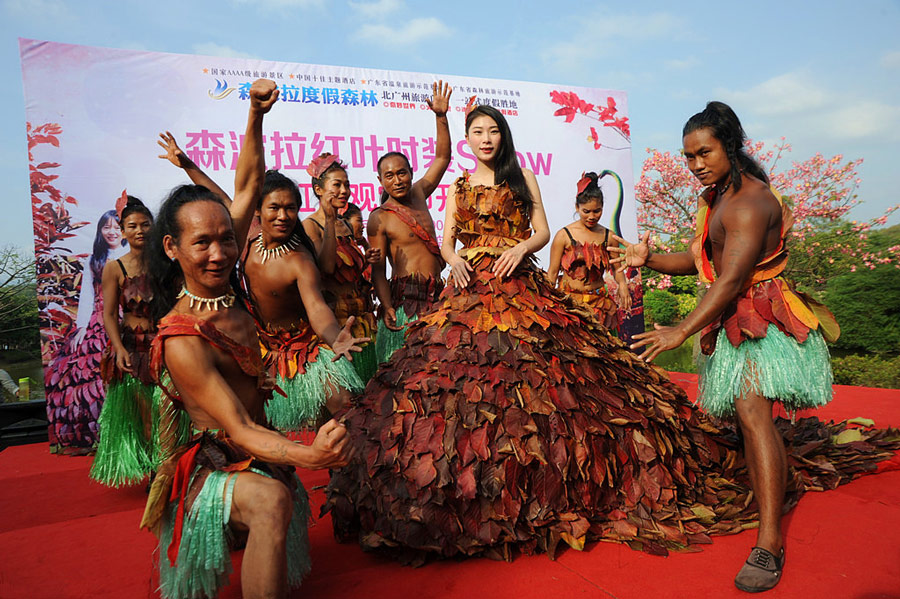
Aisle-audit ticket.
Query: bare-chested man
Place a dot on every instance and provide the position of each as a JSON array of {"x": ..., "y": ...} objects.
[
  {"x": 768, "y": 340},
  {"x": 295, "y": 323},
  {"x": 402, "y": 228},
  {"x": 235, "y": 477}
]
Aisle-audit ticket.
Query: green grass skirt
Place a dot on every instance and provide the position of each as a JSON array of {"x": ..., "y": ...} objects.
[
  {"x": 171, "y": 427},
  {"x": 124, "y": 451},
  {"x": 204, "y": 558},
  {"x": 307, "y": 392},
  {"x": 365, "y": 362},
  {"x": 388, "y": 341},
  {"x": 798, "y": 375}
]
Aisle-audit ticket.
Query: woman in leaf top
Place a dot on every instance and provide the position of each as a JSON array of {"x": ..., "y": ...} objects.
[
  {"x": 579, "y": 249},
  {"x": 340, "y": 258},
  {"x": 74, "y": 389},
  {"x": 511, "y": 420},
  {"x": 125, "y": 452}
]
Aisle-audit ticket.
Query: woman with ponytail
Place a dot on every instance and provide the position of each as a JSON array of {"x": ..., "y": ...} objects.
[
  {"x": 579, "y": 249},
  {"x": 126, "y": 423}
]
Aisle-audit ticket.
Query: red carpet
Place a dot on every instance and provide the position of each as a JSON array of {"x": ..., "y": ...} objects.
[{"x": 64, "y": 537}]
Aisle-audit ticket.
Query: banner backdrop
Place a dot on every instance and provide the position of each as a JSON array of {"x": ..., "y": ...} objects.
[{"x": 94, "y": 115}]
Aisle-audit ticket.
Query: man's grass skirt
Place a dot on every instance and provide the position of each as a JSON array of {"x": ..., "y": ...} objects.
[
  {"x": 777, "y": 367},
  {"x": 307, "y": 392}
]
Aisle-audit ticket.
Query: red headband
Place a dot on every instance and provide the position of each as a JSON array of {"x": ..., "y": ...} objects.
[
  {"x": 321, "y": 163},
  {"x": 120, "y": 204},
  {"x": 583, "y": 183}
]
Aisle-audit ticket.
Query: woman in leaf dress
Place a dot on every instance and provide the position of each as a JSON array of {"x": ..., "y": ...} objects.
[
  {"x": 512, "y": 419},
  {"x": 340, "y": 258},
  {"x": 125, "y": 452},
  {"x": 72, "y": 378},
  {"x": 579, "y": 249}
]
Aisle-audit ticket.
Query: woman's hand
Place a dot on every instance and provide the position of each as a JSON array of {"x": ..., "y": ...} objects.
[
  {"x": 624, "y": 298},
  {"x": 123, "y": 361},
  {"x": 459, "y": 271},
  {"x": 373, "y": 255},
  {"x": 173, "y": 154},
  {"x": 328, "y": 207},
  {"x": 509, "y": 260},
  {"x": 633, "y": 254},
  {"x": 390, "y": 319}
]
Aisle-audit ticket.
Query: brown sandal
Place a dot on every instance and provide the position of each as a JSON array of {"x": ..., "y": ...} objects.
[{"x": 761, "y": 572}]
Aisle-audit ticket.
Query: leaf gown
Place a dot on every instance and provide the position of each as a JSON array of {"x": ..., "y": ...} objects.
[{"x": 511, "y": 420}]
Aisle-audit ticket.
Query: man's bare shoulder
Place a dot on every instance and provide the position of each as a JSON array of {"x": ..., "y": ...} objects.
[
  {"x": 300, "y": 262},
  {"x": 754, "y": 195}
]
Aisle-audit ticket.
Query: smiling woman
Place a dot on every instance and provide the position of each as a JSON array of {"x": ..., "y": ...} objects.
[{"x": 127, "y": 421}]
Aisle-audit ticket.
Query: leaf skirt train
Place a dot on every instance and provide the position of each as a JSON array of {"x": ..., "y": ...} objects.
[{"x": 513, "y": 421}]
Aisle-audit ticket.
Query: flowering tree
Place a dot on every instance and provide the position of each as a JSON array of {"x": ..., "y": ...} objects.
[{"x": 820, "y": 192}]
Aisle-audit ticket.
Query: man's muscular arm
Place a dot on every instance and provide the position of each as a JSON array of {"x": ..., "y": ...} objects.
[
  {"x": 439, "y": 104},
  {"x": 321, "y": 318},
  {"x": 251, "y": 166},
  {"x": 191, "y": 364},
  {"x": 746, "y": 225},
  {"x": 378, "y": 239},
  {"x": 638, "y": 254}
]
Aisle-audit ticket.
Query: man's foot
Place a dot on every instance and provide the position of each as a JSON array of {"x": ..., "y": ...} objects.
[{"x": 761, "y": 572}]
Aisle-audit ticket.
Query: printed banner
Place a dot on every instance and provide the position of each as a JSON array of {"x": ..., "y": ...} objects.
[{"x": 94, "y": 116}]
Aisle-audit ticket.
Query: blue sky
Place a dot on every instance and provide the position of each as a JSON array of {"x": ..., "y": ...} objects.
[{"x": 828, "y": 78}]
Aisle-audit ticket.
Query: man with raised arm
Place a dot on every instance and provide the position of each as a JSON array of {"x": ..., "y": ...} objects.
[
  {"x": 765, "y": 339},
  {"x": 234, "y": 479},
  {"x": 305, "y": 348},
  {"x": 402, "y": 228}
]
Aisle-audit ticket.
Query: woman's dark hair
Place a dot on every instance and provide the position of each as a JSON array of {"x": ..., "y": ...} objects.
[
  {"x": 384, "y": 194},
  {"x": 506, "y": 163},
  {"x": 166, "y": 277},
  {"x": 134, "y": 206},
  {"x": 100, "y": 252},
  {"x": 721, "y": 120},
  {"x": 592, "y": 192},
  {"x": 318, "y": 181},
  {"x": 351, "y": 210},
  {"x": 275, "y": 181}
]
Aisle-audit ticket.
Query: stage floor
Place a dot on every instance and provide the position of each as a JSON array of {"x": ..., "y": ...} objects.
[{"x": 65, "y": 537}]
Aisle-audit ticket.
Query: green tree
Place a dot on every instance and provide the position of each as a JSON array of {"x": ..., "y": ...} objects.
[
  {"x": 660, "y": 307},
  {"x": 866, "y": 304},
  {"x": 18, "y": 304}
]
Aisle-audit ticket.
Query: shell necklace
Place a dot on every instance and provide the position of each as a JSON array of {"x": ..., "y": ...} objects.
[
  {"x": 288, "y": 246},
  {"x": 210, "y": 303}
]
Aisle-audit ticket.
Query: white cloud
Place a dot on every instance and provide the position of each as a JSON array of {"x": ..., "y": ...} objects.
[
  {"x": 793, "y": 103},
  {"x": 281, "y": 4},
  {"x": 868, "y": 118},
  {"x": 44, "y": 9},
  {"x": 595, "y": 35},
  {"x": 376, "y": 10},
  {"x": 682, "y": 64},
  {"x": 891, "y": 60},
  {"x": 414, "y": 31},
  {"x": 214, "y": 49},
  {"x": 785, "y": 94}
]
